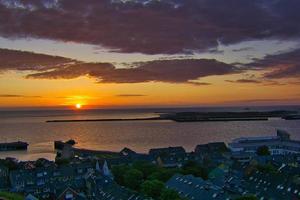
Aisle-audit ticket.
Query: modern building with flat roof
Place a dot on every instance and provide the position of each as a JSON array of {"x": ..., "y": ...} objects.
[{"x": 281, "y": 144}]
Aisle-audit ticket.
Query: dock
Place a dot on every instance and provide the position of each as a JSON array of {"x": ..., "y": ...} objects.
[{"x": 13, "y": 146}]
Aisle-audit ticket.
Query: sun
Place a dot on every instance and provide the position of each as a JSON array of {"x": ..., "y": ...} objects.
[{"x": 78, "y": 105}]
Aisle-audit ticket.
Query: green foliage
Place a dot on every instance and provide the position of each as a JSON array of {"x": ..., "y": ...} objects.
[
  {"x": 249, "y": 197},
  {"x": 152, "y": 188},
  {"x": 163, "y": 174},
  {"x": 263, "y": 151},
  {"x": 196, "y": 169},
  {"x": 60, "y": 161},
  {"x": 267, "y": 168},
  {"x": 146, "y": 178},
  {"x": 11, "y": 196},
  {"x": 133, "y": 178},
  {"x": 168, "y": 194},
  {"x": 107, "y": 156},
  {"x": 223, "y": 149},
  {"x": 11, "y": 165},
  {"x": 39, "y": 162},
  {"x": 145, "y": 167},
  {"x": 118, "y": 172}
]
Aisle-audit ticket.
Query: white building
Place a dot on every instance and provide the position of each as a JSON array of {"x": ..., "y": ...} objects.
[{"x": 281, "y": 144}]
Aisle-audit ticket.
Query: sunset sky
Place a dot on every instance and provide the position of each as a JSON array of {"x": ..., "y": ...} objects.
[{"x": 136, "y": 53}]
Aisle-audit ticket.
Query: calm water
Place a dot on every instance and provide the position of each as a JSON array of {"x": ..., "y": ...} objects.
[{"x": 30, "y": 126}]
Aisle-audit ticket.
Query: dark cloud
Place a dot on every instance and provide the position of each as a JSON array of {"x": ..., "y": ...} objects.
[
  {"x": 284, "y": 72},
  {"x": 283, "y": 65},
  {"x": 244, "y": 81},
  {"x": 171, "y": 71},
  {"x": 131, "y": 95},
  {"x": 21, "y": 60},
  {"x": 17, "y": 96},
  {"x": 151, "y": 27},
  {"x": 196, "y": 83},
  {"x": 243, "y": 49}
]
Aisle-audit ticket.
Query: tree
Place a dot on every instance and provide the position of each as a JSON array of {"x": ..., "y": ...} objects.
[
  {"x": 168, "y": 194},
  {"x": 196, "y": 169},
  {"x": 11, "y": 196},
  {"x": 61, "y": 161},
  {"x": 249, "y": 197},
  {"x": 152, "y": 188},
  {"x": 119, "y": 172},
  {"x": 10, "y": 164},
  {"x": 146, "y": 167},
  {"x": 133, "y": 179},
  {"x": 267, "y": 168},
  {"x": 163, "y": 174},
  {"x": 263, "y": 151}
]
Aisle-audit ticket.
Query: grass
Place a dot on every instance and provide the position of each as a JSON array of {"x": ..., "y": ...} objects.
[{"x": 11, "y": 196}]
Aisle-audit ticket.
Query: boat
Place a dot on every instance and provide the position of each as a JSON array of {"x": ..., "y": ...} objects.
[{"x": 13, "y": 146}]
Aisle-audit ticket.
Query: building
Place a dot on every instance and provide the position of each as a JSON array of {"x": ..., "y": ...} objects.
[
  {"x": 49, "y": 183},
  {"x": 194, "y": 188},
  {"x": 3, "y": 177},
  {"x": 281, "y": 144},
  {"x": 211, "y": 148},
  {"x": 168, "y": 151},
  {"x": 104, "y": 188},
  {"x": 269, "y": 186},
  {"x": 70, "y": 194}
]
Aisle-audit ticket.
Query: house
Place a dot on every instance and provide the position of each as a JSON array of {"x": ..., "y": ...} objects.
[
  {"x": 169, "y": 151},
  {"x": 211, "y": 148},
  {"x": 270, "y": 186},
  {"x": 45, "y": 183},
  {"x": 127, "y": 152},
  {"x": 102, "y": 188},
  {"x": 70, "y": 194},
  {"x": 170, "y": 162},
  {"x": 194, "y": 188},
  {"x": 30, "y": 197},
  {"x": 242, "y": 157},
  {"x": 3, "y": 177}
]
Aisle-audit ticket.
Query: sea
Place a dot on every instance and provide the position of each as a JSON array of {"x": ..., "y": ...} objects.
[{"x": 30, "y": 126}]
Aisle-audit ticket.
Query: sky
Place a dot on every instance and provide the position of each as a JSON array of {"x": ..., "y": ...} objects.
[{"x": 149, "y": 53}]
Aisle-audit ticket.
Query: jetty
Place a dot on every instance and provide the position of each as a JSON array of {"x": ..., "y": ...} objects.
[
  {"x": 105, "y": 120},
  {"x": 13, "y": 146},
  {"x": 203, "y": 117}
]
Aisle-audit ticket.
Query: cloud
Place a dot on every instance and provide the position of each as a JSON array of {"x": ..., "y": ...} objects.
[
  {"x": 284, "y": 72},
  {"x": 151, "y": 27},
  {"x": 131, "y": 95},
  {"x": 170, "y": 71},
  {"x": 283, "y": 65},
  {"x": 243, "y": 49},
  {"x": 196, "y": 83},
  {"x": 42, "y": 66},
  {"x": 244, "y": 81},
  {"x": 21, "y": 60},
  {"x": 17, "y": 96}
]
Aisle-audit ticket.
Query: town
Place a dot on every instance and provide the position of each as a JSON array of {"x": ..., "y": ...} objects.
[{"x": 247, "y": 168}]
